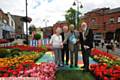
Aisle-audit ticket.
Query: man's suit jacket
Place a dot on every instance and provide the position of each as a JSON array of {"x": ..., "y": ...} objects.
[{"x": 89, "y": 38}]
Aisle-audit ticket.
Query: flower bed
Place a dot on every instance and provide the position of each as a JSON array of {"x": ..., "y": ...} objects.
[
  {"x": 3, "y": 41},
  {"x": 45, "y": 71},
  {"x": 97, "y": 54},
  {"x": 27, "y": 48},
  {"x": 108, "y": 67},
  {"x": 19, "y": 59},
  {"x": 105, "y": 72},
  {"x": 14, "y": 55}
]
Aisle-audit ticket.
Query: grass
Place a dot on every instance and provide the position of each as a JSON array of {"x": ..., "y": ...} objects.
[{"x": 73, "y": 75}]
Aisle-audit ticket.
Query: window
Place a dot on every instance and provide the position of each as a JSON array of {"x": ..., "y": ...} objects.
[
  {"x": 111, "y": 20},
  {"x": 4, "y": 21},
  {"x": 93, "y": 20},
  {"x": 19, "y": 27},
  {"x": 119, "y": 19}
]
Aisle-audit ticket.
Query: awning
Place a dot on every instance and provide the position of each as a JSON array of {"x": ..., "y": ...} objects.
[
  {"x": 1, "y": 24},
  {"x": 6, "y": 27}
]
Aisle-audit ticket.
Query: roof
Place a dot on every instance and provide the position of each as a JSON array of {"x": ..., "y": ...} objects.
[
  {"x": 97, "y": 10},
  {"x": 1, "y": 10},
  {"x": 61, "y": 22},
  {"x": 114, "y": 10},
  {"x": 106, "y": 10}
]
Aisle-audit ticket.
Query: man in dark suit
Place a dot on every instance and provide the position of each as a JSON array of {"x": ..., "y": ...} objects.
[
  {"x": 86, "y": 41},
  {"x": 65, "y": 50}
]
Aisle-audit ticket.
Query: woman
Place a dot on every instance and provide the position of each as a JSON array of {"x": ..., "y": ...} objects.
[{"x": 56, "y": 42}]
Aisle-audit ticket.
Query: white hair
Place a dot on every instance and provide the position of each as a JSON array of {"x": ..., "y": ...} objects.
[{"x": 84, "y": 23}]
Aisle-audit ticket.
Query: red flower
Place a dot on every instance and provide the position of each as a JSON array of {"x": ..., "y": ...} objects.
[
  {"x": 105, "y": 78},
  {"x": 105, "y": 72},
  {"x": 27, "y": 48},
  {"x": 113, "y": 78}
]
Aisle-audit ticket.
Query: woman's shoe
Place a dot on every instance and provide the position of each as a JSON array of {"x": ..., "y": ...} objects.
[{"x": 71, "y": 66}]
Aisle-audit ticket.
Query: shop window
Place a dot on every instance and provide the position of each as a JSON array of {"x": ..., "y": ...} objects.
[
  {"x": 111, "y": 20},
  {"x": 119, "y": 19},
  {"x": 93, "y": 20}
]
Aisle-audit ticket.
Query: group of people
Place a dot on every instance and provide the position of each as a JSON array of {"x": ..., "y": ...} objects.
[{"x": 66, "y": 43}]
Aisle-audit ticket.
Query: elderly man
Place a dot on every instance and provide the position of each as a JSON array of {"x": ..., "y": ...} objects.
[
  {"x": 86, "y": 41},
  {"x": 65, "y": 50}
]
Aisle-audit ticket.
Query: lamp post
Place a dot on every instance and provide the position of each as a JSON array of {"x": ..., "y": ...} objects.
[
  {"x": 46, "y": 21},
  {"x": 26, "y": 21},
  {"x": 79, "y": 5}
]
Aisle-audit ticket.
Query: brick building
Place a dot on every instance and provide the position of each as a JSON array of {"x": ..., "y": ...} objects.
[
  {"x": 47, "y": 31},
  {"x": 104, "y": 22},
  {"x": 19, "y": 25},
  {"x": 59, "y": 24},
  {"x": 10, "y": 25},
  {"x": 7, "y": 25}
]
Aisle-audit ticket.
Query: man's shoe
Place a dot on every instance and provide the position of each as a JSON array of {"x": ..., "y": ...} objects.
[
  {"x": 83, "y": 67},
  {"x": 66, "y": 63},
  {"x": 71, "y": 66},
  {"x": 76, "y": 65},
  {"x": 86, "y": 70}
]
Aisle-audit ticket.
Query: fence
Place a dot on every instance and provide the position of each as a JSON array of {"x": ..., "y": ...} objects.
[{"x": 44, "y": 41}]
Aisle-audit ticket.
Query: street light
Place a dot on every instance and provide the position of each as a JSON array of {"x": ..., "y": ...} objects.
[
  {"x": 46, "y": 21},
  {"x": 79, "y": 5},
  {"x": 26, "y": 22}
]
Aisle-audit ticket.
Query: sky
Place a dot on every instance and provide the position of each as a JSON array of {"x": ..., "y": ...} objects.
[{"x": 51, "y": 11}]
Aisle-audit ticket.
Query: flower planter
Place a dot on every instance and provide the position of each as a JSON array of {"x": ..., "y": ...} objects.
[
  {"x": 45, "y": 71},
  {"x": 108, "y": 67}
]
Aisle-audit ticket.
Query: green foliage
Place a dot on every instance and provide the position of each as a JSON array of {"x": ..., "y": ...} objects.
[
  {"x": 44, "y": 47},
  {"x": 71, "y": 15},
  {"x": 15, "y": 52},
  {"x": 37, "y": 36},
  {"x": 27, "y": 52},
  {"x": 109, "y": 61},
  {"x": 40, "y": 55},
  {"x": 117, "y": 62},
  {"x": 4, "y": 53},
  {"x": 15, "y": 43}
]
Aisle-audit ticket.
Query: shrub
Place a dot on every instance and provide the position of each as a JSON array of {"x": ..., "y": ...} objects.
[{"x": 37, "y": 36}]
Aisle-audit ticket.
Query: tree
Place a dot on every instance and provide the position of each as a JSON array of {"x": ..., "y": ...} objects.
[
  {"x": 32, "y": 28},
  {"x": 71, "y": 15}
]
